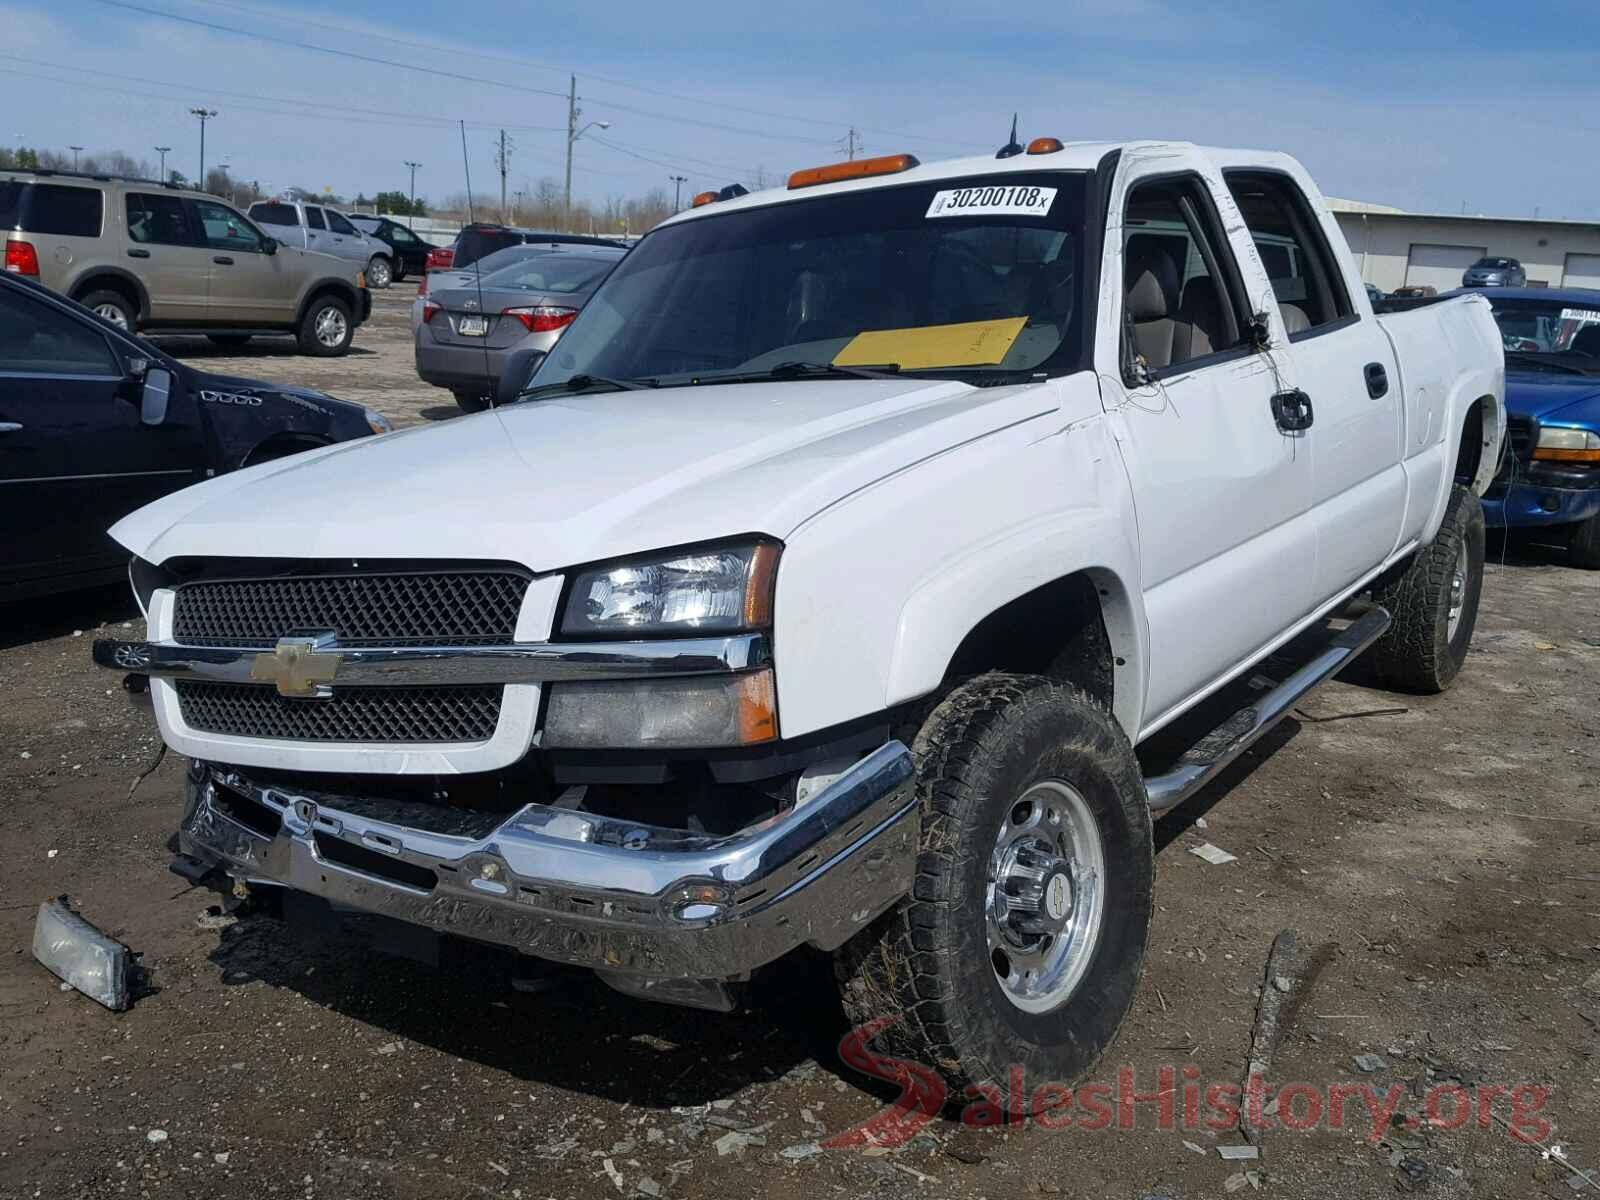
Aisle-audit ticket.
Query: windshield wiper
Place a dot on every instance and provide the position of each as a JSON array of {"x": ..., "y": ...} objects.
[
  {"x": 1544, "y": 362},
  {"x": 587, "y": 383},
  {"x": 793, "y": 370}
]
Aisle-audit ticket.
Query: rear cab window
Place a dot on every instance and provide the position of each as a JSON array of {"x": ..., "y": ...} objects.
[
  {"x": 51, "y": 208},
  {"x": 1306, "y": 282}
]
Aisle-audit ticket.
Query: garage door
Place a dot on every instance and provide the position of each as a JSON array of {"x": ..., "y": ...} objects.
[
  {"x": 1582, "y": 270},
  {"x": 1438, "y": 266}
]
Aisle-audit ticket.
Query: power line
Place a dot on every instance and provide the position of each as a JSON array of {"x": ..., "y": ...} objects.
[{"x": 515, "y": 60}]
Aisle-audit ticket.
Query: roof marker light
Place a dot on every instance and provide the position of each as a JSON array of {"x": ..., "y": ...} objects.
[
  {"x": 1044, "y": 145},
  {"x": 884, "y": 164},
  {"x": 703, "y": 198}
]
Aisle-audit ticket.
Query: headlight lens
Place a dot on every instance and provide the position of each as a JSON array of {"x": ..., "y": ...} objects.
[
  {"x": 681, "y": 713},
  {"x": 717, "y": 589},
  {"x": 377, "y": 422},
  {"x": 1567, "y": 445}
]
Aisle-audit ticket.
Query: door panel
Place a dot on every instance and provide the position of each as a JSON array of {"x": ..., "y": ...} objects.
[
  {"x": 169, "y": 255},
  {"x": 248, "y": 285},
  {"x": 74, "y": 457}
]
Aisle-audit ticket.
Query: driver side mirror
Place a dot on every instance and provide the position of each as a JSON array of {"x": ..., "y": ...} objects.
[
  {"x": 153, "y": 396},
  {"x": 519, "y": 368},
  {"x": 269, "y": 245}
]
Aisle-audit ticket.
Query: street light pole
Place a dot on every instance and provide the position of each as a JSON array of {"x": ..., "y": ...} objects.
[
  {"x": 205, "y": 114},
  {"x": 75, "y": 150},
  {"x": 573, "y": 134},
  {"x": 162, "y": 150},
  {"x": 411, "y": 216},
  {"x": 677, "y": 188}
]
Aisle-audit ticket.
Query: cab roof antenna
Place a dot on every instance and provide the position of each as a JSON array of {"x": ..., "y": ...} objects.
[{"x": 1012, "y": 148}]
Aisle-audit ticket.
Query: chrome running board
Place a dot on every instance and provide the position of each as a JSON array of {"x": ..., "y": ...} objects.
[{"x": 1203, "y": 761}]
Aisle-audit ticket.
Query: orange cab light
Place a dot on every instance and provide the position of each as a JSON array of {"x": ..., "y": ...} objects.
[
  {"x": 884, "y": 164},
  {"x": 704, "y": 198},
  {"x": 1044, "y": 145}
]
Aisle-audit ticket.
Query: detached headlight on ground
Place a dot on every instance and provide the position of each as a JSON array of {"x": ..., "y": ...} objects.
[
  {"x": 1567, "y": 445},
  {"x": 723, "y": 589}
]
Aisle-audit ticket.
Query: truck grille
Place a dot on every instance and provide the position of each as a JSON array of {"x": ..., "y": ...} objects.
[
  {"x": 1517, "y": 454},
  {"x": 454, "y": 608},
  {"x": 353, "y": 714}
]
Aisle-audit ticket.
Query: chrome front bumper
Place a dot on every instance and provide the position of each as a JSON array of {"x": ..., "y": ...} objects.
[{"x": 631, "y": 900}]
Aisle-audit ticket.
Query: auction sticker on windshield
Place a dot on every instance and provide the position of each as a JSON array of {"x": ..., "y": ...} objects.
[
  {"x": 1580, "y": 314},
  {"x": 1000, "y": 200}
]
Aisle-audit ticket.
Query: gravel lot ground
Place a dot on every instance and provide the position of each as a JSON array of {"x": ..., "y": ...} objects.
[{"x": 1439, "y": 859}]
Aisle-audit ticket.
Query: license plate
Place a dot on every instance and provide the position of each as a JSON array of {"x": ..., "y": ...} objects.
[{"x": 473, "y": 326}]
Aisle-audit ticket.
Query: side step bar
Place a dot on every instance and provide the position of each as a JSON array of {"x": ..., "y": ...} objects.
[{"x": 1203, "y": 761}]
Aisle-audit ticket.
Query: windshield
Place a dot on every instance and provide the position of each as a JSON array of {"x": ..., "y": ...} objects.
[
  {"x": 551, "y": 273},
  {"x": 1565, "y": 332},
  {"x": 977, "y": 278}
]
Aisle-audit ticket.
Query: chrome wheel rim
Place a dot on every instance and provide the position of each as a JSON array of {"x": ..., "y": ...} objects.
[
  {"x": 330, "y": 327},
  {"x": 1458, "y": 591},
  {"x": 113, "y": 314},
  {"x": 378, "y": 273},
  {"x": 1044, "y": 901}
]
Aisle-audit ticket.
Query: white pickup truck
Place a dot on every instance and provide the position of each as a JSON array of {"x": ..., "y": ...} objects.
[{"x": 818, "y": 587}]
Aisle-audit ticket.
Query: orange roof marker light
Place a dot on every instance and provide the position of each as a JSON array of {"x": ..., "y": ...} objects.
[
  {"x": 1044, "y": 145},
  {"x": 703, "y": 198},
  {"x": 860, "y": 168}
]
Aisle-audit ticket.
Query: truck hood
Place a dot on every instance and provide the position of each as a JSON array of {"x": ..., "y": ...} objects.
[
  {"x": 555, "y": 482},
  {"x": 1542, "y": 394}
]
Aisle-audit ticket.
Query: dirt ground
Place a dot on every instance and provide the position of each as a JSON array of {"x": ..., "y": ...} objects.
[{"x": 1438, "y": 859}]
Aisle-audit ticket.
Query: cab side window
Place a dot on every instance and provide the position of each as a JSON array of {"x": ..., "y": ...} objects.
[
  {"x": 1179, "y": 296},
  {"x": 1305, "y": 279},
  {"x": 160, "y": 220},
  {"x": 339, "y": 225},
  {"x": 226, "y": 229},
  {"x": 36, "y": 339},
  {"x": 314, "y": 219}
]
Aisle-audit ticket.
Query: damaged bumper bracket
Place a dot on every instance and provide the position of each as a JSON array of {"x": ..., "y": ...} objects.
[{"x": 629, "y": 900}]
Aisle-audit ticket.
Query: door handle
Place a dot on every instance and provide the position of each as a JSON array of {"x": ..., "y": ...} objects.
[
  {"x": 1377, "y": 380},
  {"x": 10, "y": 427},
  {"x": 138, "y": 253},
  {"x": 223, "y": 259},
  {"x": 1292, "y": 411}
]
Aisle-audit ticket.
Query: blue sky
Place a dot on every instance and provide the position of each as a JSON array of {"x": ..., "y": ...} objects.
[{"x": 1430, "y": 107}]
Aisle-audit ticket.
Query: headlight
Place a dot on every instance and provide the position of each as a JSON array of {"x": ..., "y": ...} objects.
[
  {"x": 715, "y": 589},
  {"x": 688, "y": 713},
  {"x": 377, "y": 422},
  {"x": 1567, "y": 445}
]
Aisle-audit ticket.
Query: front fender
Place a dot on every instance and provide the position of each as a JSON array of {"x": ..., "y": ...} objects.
[{"x": 876, "y": 592}]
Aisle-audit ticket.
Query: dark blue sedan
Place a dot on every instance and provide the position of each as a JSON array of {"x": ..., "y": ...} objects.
[{"x": 1550, "y": 474}]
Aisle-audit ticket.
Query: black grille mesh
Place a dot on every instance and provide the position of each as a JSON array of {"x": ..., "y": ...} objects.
[
  {"x": 353, "y": 714},
  {"x": 458, "y": 608}
]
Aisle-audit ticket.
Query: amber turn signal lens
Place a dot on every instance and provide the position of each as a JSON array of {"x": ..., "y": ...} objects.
[
  {"x": 757, "y": 702},
  {"x": 884, "y": 164},
  {"x": 1551, "y": 454},
  {"x": 704, "y": 198},
  {"x": 1044, "y": 145}
]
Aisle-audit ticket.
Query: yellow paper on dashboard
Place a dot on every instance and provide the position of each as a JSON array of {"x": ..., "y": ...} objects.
[{"x": 967, "y": 344}]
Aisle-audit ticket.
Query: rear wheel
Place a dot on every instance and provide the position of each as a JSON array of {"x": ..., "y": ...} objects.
[
  {"x": 1023, "y": 940},
  {"x": 1584, "y": 549},
  {"x": 1434, "y": 603},
  {"x": 470, "y": 401},
  {"x": 326, "y": 328},
  {"x": 113, "y": 307},
  {"x": 379, "y": 274}
]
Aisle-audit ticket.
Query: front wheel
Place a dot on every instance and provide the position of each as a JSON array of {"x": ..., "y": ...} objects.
[
  {"x": 379, "y": 274},
  {"x": 326, "y": 328},
  {"x": 1584, "y": 548},
  {"x": 1434, "y": 603},
  {"x": 1022, "y": 943}
]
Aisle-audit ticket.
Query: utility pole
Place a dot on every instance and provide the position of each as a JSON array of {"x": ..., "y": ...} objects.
[
  {"x": 852, "y": 143},
  {"x": 412, "y": 215},
  {"x": 677, "y": 189},
  {"x": 572, "y": 136},
  {"x": 74, "y": 150},
  {"x": 162, "y": 150},
  {"x": 503, "y": 160},
  {"x": 205, "y": 114}
]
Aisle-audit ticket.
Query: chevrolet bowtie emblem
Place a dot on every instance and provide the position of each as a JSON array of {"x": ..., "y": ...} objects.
[{"x": 302, "y": 667}]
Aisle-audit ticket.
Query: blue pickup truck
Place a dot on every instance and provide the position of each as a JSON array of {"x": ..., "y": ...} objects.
[{"x": 1550, "y": 475}]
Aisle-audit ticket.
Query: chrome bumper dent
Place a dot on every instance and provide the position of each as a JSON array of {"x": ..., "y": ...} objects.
[{"x": 572, "y": 887}]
